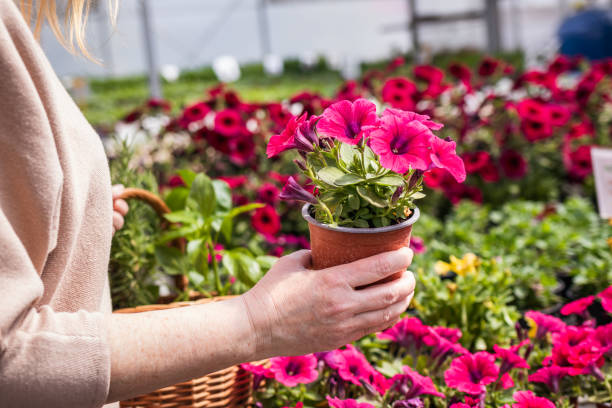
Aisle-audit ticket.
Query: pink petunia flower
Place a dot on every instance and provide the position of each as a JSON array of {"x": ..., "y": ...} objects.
[
  {"x": 551, "y": 376},
  {"x": 345, "y": 120},
  {"x": 545, "y": 323},
  {"x": 411, "y": 384},
  {"x": 348, "y": 403},
  {"x": 285, "y": 140},
  {"x": 228, "y": 123},
  {"x": 266, "y": 221},
  {"x": 510, "y": 358},
  {"x": 294, "y": 370},
  {"x": 298, "y": 405},
  {"x": 577, "y": 306},
  {"x": 527, "y": 399},
  {"x": 443, "y": 155},
  {"x": 409, "y": 333},
  {"x": 401, "y": 144},
  {"x": 471, "y": 373},
  {"x": 353, "y": 366},
  {"x": 606, "y": 299},
  {"x": 268, "y": 193},
  {"x": 417, "y": 245},
  {"x": 587, "y": 358},
  {"x": 400, "y": 93},
  {"x": 410, "y": 116}
]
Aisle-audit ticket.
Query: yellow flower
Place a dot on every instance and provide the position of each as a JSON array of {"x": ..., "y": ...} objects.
[
  {"x": 452, "y": 287},
  {"x": 610, "y": 242},
  {"x": 442, "y": 268},
  {"x": 461, "y": 267},
  {"x": 533, "y": 327}
]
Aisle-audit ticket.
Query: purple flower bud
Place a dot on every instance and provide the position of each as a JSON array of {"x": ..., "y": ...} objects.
[
  {"x": 409, "y": 403},
  {"x": 293, "y": 191},
  {"x": 415, "y": 178},
  {"x": 300, "y": 164},
  {"x": 396, "y": 195},
  {"x": 305, "y": 136}
]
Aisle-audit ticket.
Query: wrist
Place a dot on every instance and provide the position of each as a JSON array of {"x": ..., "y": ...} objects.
[{"x": 261, "y": 325}]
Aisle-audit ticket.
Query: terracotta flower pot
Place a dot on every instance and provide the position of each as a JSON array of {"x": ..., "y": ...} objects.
[{"x": 333, "y": 246}]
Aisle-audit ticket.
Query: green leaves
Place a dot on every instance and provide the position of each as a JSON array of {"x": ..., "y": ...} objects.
[
  {"x": 240, "y": 263},
  {"x": 202, "y": 193},
  {"x": 390, "y": 180},
  {"x": 371, "y": 197},
  {"x": 330, "y": 175}
]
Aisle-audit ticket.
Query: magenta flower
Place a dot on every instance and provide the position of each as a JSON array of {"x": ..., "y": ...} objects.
[
  {"x": 345, "y": 120},
  {"x": 424, "y": 119},
  {"x": 545, "y": 323},
  {"x": 228, "y": 123},
  {"x": 409, "y": 333},
  {"x": 606, "y": 299},
  {"x": 286, "y": 140},
  {"x": 551, "y": 376},
  {"x": 527, "y": 399},
  {"x": 353, "y": 366},
  {"x": 443, "y": 155},
  {"x": 587, "y": 358},
  {"x": 291, "y": 371},
  {"x": 298, "y": 405},
  {"x": 577, "y": 306},
  {"x": 294, "y": 191},
  {"x": 401, "y": 144},
  {"x": 510, "y": 358},
  {"x": 471, "y": 373},
  {"x": 417, "y": 245},
  {"x": 349, "y": 403},
  {"x": 257, "y": 369},
  {"x": 411, "y": 384},
  {"x": 268, "y": 193}
]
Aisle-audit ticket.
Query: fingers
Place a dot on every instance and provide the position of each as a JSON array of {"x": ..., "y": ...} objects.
[
  {"x": 370, "y": 270},
  {"x": 121, "y": 206},
  {"x": 117, "y": 221},
  {"x": 378, "y": 320},
  {"x": 381, "y": 296},
  {"x": 117, "y": 189},
  {"x": 297, "y": 260}
]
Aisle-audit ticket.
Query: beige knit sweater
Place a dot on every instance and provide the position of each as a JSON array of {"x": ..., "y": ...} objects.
[{"x": 55, "y": 234}]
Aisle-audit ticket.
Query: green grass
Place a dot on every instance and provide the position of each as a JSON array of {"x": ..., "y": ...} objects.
[{"x": 113, "y": 98}]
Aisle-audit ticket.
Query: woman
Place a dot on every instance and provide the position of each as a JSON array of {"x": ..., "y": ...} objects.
[{"x": 59, "y": 344}]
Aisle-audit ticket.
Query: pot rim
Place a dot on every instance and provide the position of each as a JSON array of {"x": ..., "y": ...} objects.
[{"x": 411, "y": 220}]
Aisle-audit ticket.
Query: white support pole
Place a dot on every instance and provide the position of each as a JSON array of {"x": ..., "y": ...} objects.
[
  {"x": 264, "y": 28},
  {"x": 493, "y": 29},
  {"x": 155, "y": 89}
]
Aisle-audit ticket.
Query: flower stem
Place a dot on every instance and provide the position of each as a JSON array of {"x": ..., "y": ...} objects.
[{"x": 218, "y": 286}]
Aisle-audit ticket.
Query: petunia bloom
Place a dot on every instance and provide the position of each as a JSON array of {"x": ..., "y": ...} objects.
[
  {"x": 606, "y": 299},
  {"x": 410, "y": 116},
  {"x": 471, "y": 373},
  {"x": 513, "y": 164},
  {"x": 353, "y": 366},
  {"x": 294, "y": 191},
  {"x": 401, "y": 144},
  {"x": 294, "y": 370},
  {"x": 409, "y": 333},
  {"x": 266, "y": 221},
  {"x": 527, "y": 399},
  {"x": 345, "y": 120},
  {"x": 268, "y": 193},
  {"x": 228, "y": 123},
  {"x": 551, "y": 376},
  {"x": 411, "y": 384},
  {"x": 443, "y": 155},
  {"x": 400, "y": 93},
  {"x": 286, "y": 139},
  {"x": 577, "y": 306},
  {"x": 543, "y": 324},
  {"x": 348, "y": 403}
]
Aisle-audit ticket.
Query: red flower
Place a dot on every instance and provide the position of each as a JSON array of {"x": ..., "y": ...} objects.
[
  {"x": 458, "y": 192},
  {"x": 286, "y": 140},
  {"x": 537, "y": 129},
  {"x": 157, "y": 103},
  {"x": 400, "y": 93},
  {"x": 234, "y": 181},
  {"x": 417, "y": 245},
  {"x": 560, "y": 65},
  {"x": 353, "y": 366},
  {"x": 580, "y": 164},
  {"x": 489, "y": 172},
  {"x": 475, "y": 161},
  {"x": 488, "y": 66},
  {"x": 349, "y": 91},
  {"x": 291, "y": 371},
  {"x": 577, "y": 306},
  {"x": 268, "y": 194},
  {"x": 241, "y": 149},
  {"x": 216, "y": 140},
  {"x": 401, "y": 144},
  {"x": 462, "y": 73},
  {"x": 526, "y": 399},
  {"x": 279, "y": 115},
  {"x": 606, "y": 299},
  {"x": 587, "y": 358},
  {"x": 266, "y": 221},
  {"x": 433, "y": 77},
  {"x": 193, "y": 113},
  {"x": 471, "y": 373},
  {"x": 558, "y": 114},
  {"x": 410, "y": 116},
  {"x": 444, "y": 155},
  {"x": 228, "y": 123},
  {"x": 551, "y": 376},
  {"x": 434, "y": 178},
  {"x": 346, "y": 120},
  {"x": 175, "y": 181},
  {"x": 411, "y": 384},
  {"x": 510, "y": 358},
  {"x": 513, "y": 164},
  {"x": 298, "y": 405},
  {"x": 545, "y": 323}
]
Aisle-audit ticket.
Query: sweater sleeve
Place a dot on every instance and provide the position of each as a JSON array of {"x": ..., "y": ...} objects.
[{"x": 47, "y": 358}]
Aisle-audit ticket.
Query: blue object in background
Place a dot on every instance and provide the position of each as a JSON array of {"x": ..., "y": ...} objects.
[{"x": 587, "y": 33}]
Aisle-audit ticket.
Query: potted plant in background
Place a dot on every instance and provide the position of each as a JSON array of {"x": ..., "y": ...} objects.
[{"x": 365, "y": 173}]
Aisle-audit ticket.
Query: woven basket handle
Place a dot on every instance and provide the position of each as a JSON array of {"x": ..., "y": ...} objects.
[{"x": 160, "y": 208}]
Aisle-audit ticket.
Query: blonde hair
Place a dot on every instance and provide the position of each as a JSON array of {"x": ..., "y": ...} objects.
[{"x": 36, "y": 12}]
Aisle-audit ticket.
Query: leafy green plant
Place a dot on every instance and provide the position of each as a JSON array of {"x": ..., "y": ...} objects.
[
  {"x": 470, "y": 294},
  {"x": 203, "y": 215}
]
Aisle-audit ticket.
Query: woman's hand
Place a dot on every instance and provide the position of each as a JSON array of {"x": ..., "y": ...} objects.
[
  {"x": 120, "y": 207},
  {"x": 294, "y": 310}
]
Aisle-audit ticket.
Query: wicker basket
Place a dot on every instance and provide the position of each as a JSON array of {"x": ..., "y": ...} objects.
[{"x": 231, "y": 387}]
